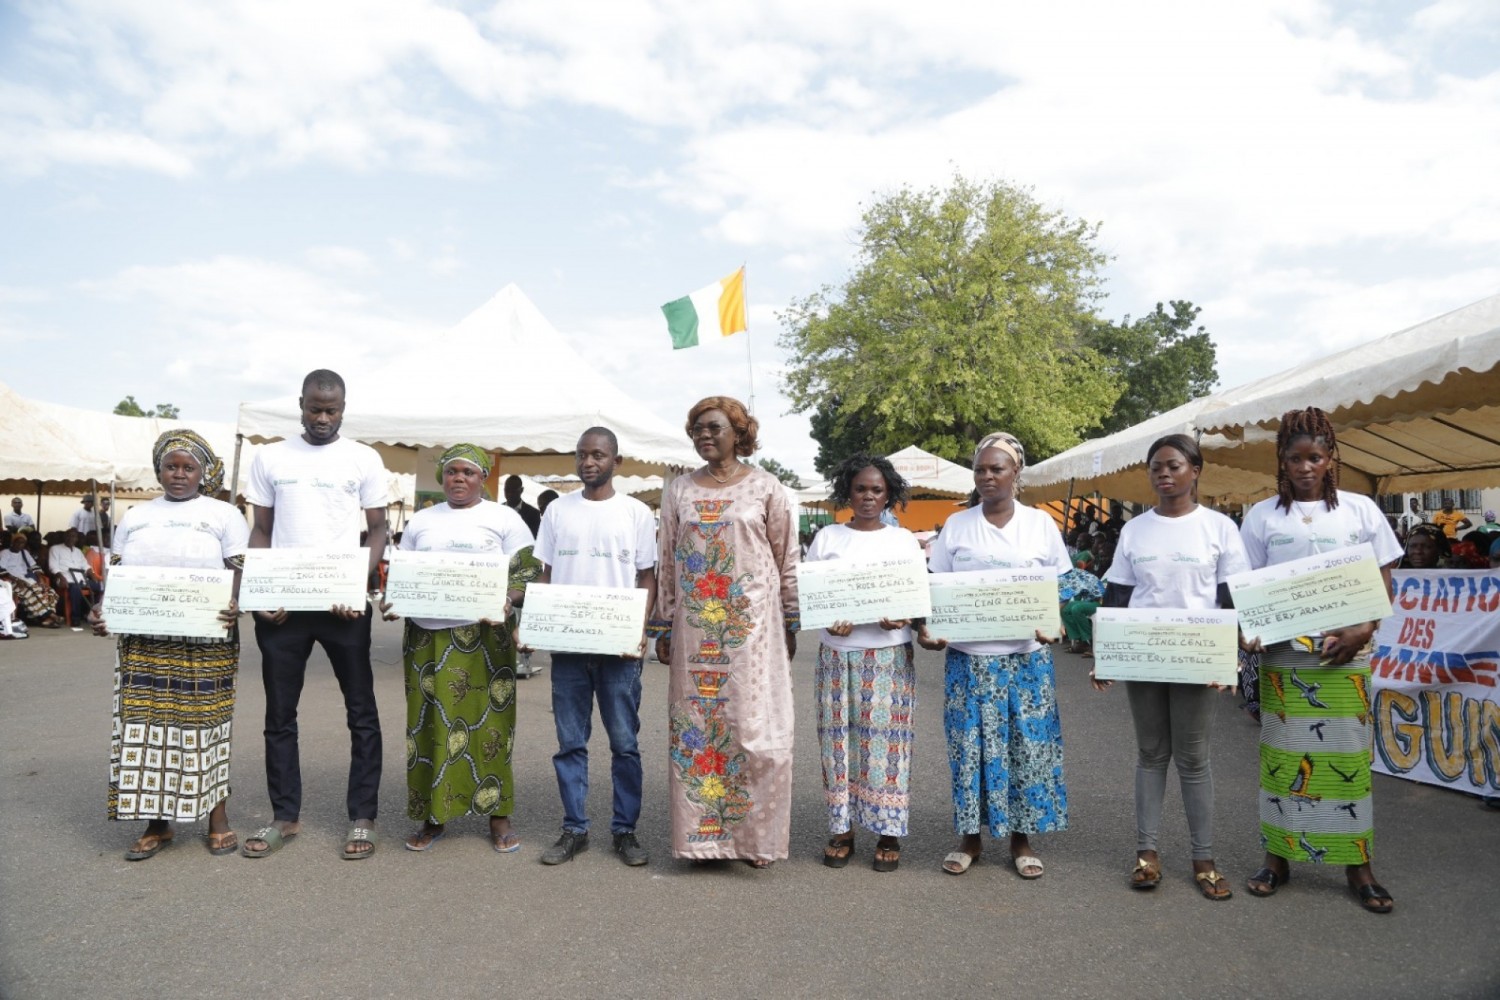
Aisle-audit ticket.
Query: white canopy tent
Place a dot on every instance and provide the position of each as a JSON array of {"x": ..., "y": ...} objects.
[
  {"x": 1416, "y": 410},
  {"x": 533, "y": 394},
  {"x": 1114, "y": 465},
  {"x": 929, "y": 475},
  {"x": 1413, "y": 410},
  {"x": 67, "y": 449}
]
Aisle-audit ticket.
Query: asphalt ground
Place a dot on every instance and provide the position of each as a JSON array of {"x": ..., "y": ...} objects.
[{"x": 461, "y": 920}]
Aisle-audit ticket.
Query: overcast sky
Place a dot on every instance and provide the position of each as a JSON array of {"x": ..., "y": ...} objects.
[{"x": 201, "y": 201}]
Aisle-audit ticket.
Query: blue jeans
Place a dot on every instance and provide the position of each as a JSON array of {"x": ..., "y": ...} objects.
[{"x": 577, "y": 680}]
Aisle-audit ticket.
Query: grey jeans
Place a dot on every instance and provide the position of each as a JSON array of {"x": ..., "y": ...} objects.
[{"x": 1171, "y": 723}]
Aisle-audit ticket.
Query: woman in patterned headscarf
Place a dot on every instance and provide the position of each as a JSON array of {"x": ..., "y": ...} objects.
[
  {"x": 461, "y": 674},
  {"x": 174, "y": 695}
]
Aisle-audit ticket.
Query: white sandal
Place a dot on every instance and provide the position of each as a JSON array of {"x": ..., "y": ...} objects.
[{"x": 1026, "y": 861}]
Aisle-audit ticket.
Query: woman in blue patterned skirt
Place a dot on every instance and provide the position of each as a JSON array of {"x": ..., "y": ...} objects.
[{"x": 1000, "y": 715}]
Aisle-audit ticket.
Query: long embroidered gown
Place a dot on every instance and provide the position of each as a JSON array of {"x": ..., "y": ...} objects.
[{"x": 728, "y": 586}]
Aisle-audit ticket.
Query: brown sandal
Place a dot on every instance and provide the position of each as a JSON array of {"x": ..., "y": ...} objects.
[
  {"x": 148, "y": 845},
  {"x": 220, "y": 844}
]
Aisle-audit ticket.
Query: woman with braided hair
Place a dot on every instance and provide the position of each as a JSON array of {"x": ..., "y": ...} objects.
[
  {"x": 1316, "y": 722},
  {"x": 174, "y": 696}
]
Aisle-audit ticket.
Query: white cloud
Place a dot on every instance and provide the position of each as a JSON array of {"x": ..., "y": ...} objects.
[
  {"x": 348, "y": 260},
  {"x": 238, "y": 328}
]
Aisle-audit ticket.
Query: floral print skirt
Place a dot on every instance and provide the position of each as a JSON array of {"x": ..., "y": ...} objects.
[
  {"x": 460, "y": 721},
  {"x": 865, "y": 701},
  {"x": 1004, "y": 743}
]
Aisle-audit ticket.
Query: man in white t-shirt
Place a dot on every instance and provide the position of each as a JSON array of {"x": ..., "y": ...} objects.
[
  {"x": 83, "y": 520},
  {"x": 318, "y": 491},
  {"x": 598, "y": 538},
  {"x": 18, "y": 519}
]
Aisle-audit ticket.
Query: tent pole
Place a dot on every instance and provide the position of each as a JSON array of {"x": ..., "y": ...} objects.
[
  {"x": 234, "y": 480},
  {"x": 1068, "y": 509},
  {"x": 39, "y": 508}
]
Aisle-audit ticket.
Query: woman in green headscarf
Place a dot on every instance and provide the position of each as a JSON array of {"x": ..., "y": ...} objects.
[
  {"x": 174, "y": 695},
  {"x": 461, "y": 675}
]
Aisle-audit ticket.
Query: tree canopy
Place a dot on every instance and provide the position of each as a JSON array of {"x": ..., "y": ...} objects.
[
  {"x": 964, "y": 315},
  {"x": 128, "y": 407},
  {"x": 1160, "y": 360},
  {"x": 780, "y": 471}
]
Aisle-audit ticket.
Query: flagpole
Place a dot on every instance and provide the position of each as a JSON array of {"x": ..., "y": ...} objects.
[{"x": 749, "y": 361}]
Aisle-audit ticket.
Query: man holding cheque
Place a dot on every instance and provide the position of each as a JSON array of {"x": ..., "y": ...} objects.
[{"x": 595, "y": 538}]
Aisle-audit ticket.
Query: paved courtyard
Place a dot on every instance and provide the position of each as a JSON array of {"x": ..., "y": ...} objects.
[{"x": 461, "y": 921}]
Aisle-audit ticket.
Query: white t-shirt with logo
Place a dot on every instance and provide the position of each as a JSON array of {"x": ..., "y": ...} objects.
[
  {"x": 596, "y": 543},
  {"x": 1177, "y": 562},
  {"x": 485, "y": 527},
  {"x": 839, "y": 541},
  {"x": 319, "y": 492},
  {"x": 970, "y": 542},
  {"x": 195, "y": 534},
  {"x": 1273, "y": 535}
]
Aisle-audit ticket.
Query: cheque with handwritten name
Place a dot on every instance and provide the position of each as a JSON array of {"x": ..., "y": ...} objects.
[
  {"x": 862, "y": 592},
  {"x": 1307, "y": 596},
  {"x": 1166, "y": 645},
  {"x": 304, "y": 579},
  {"x": 568, "y": 619},
  {"x": 993, "y": 604},
  {"x": 167, "y": 600},
  {"x": 460, "y": 586}
]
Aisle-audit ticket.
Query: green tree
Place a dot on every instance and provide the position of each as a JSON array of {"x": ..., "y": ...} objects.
[
  {"x": 964, "y": 315},
  {"x": 1160, "y": 360},
  {"x": 780, "y": 471},
  {"x": 128, "y": 407}
]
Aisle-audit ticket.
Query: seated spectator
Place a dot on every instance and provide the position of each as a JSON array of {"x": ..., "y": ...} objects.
[
  {"x": 29, "y": 586},
  {"x": 11, "y": 627},
  {"x": 18, "y": 519},
  {"x": 1426, "y": 548},
  {"x": 1489, "y": 527},
  {"x": 70, "y": 569}
]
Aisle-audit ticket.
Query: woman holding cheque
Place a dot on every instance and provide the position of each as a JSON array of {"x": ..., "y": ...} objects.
[
  {"x": 866, "y": 684},
  {"x": 174, "y": 695},
  {"x": 461, "y": 675},
  {"x": 1000, "y": 714},
  {"x": 1316, "y": 722},
  {"x": 1176, "y": 555}
]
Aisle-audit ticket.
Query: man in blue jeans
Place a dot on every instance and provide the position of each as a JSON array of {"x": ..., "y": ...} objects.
[{"x": 598, "y": 538}]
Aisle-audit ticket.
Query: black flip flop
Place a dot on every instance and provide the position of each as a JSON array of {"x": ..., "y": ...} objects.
[
  {"x": 1270, "y": 878},
  {"x": 839, "y": 860}
]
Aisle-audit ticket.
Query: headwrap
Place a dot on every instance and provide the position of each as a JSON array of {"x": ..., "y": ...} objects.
[
  {"x": 473, "y": 454},
  {"x": 183, "y": 439},
  {"x": 1001, "y": 441},
  {"x": 1489, "y": 515}
]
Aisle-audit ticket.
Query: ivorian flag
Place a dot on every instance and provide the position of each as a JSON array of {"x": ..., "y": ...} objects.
[{"x": 715, "y": 311}]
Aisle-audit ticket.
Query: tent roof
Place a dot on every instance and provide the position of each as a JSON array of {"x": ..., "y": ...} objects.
[
  {"x": 503, "y": 379},
  {"x": 66, "y": 447},
  {"x": 1414, "y": 410},
  {"x": 927, "y": 473}
]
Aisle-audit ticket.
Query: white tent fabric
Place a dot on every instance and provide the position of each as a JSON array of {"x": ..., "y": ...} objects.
[
  {"x": 929, "y": 474},
  {"x": 66, "y": 447},
  {"x": 1114, "y": 465},
  {"x": 535, "y": 396},
  {"x": 1414, "y": 410}
]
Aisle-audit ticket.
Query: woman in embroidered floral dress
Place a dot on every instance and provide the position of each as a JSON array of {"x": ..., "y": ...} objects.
[{"x": 726, "y": 622}]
